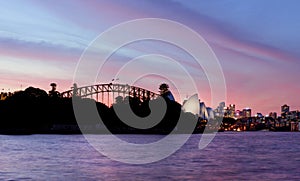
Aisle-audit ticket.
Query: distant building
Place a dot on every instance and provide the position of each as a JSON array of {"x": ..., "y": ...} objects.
[
  {"x": 246, "y": 113},
  {"x": 273, "y": 115},
  {"x": 210, "y": 112},
  {"x": 231, "y": 110},
  {"x": 203, "y": 111},
  {"x": 238, "y": 114},
  {"x": 226, "y": 112},
  {"x": 259, "y": 115},
  {"x": 221, "y": 106},
  {"x": 220, "y": 110},
  {"x": 285, "y": 109},
  {"x": 292, "y": 115}
]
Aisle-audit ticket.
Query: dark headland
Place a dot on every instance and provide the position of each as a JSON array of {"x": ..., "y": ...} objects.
[{"x": 34, "y": 111}]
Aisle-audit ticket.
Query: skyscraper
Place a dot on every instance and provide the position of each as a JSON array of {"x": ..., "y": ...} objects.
[
  {"x": 231, "y": 110},
  {"x": 220, "y": 110}
]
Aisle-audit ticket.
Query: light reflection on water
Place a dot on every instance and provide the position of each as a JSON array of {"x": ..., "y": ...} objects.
[{"x": 231, "y": 156}]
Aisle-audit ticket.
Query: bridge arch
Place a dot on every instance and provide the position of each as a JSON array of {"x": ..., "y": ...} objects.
[{"x": 99, "y": 90}]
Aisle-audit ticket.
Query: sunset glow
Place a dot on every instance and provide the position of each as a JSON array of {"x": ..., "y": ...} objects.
[{"x": 257, "y": 43}]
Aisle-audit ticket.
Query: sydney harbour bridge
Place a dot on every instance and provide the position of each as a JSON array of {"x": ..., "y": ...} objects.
[{"x": 106, "y": 93}]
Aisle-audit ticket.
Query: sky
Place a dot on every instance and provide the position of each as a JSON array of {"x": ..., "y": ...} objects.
[{"x": 256, "y": 42}]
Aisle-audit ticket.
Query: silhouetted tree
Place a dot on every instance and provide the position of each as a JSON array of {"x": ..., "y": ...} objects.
[{"x": 53, "y": 93}]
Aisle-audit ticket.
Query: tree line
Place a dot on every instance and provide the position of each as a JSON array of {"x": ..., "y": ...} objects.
[{"x": 34, "y": 111}]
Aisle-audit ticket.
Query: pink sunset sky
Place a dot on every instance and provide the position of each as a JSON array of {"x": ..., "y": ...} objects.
[{"x": 257, "y": 43}]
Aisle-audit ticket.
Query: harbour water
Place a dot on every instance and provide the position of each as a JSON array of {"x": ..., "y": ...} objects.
[{"x": 230, "y": 156}]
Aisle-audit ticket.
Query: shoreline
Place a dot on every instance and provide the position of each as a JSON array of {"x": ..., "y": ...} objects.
[{"x": 78, "y": 132}]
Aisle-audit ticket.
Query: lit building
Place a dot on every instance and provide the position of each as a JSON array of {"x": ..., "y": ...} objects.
[
  {"x": 220, "y": 109},
  {"x": 285, "y": 109},
  {"x": 231, "y": 110},
  {"x": 206, "y": 113},
  {"x": 210, "y": 113},
  {"x": 226, "y": 112},
  {"x": 259, "y": 115},
  {"x": 203, "y": 111},
  {"x": 246, "y": 113},
  {"x": 238, "y": 114}
]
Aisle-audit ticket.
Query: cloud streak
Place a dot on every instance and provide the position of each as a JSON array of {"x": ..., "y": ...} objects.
[{"x": 42, "y": 41}]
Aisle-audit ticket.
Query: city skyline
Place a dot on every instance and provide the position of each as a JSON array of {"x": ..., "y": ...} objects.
[{"x": 256, "y": 43}]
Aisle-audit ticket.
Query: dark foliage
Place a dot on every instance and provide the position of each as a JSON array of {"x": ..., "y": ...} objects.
[{"x": 34, "y": 111}]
